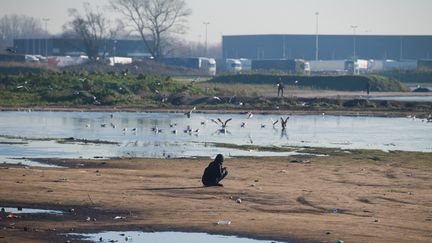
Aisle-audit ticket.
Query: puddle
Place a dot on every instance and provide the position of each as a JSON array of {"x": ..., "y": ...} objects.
[
  {"x": 163, "y": 237},
  {"x": 27, "y": 162},
  {"x": 32, "y": 211}
]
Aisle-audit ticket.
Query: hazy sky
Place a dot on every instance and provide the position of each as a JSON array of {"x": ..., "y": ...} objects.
[{"x": 235, "y": 17}]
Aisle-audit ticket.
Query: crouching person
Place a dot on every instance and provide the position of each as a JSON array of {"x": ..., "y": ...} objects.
[{"x": 214, "y": 172}]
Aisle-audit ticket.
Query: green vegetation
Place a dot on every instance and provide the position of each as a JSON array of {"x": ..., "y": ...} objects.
[
  {"x": 410, "y": 76},
  {"x": 70, "y": 88},
  {"x": 342, "y": 83}
]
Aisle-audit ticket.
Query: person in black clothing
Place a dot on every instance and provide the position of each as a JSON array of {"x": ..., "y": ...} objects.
[
  {"x": 214, "y": 172},
  {"x": 280, "y": 88}
]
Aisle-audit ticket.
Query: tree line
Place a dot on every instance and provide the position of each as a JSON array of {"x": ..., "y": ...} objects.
[{"x": 157, "y": 23}]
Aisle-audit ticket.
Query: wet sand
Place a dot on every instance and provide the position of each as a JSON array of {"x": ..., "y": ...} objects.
[{"x": 363, "y": 196}]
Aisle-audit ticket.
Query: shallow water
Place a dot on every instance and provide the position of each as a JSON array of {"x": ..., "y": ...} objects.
[
  {"x": 346, "y": 132},
  {"x": 165, "y": 237},
  {"x": 31, "y": 211}
]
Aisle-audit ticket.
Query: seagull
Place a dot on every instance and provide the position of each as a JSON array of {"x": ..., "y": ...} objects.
[
  {"x": 214, "y": 121},
  {"x": 173, "y": 124},
  {"x": 103, "y": 125},
  {"x": 249, "y": 115},
  {"x": 112, "y": 125},
  {"x": 274, "y": 122},
  {"x": 250, "y": 139},
  {"x": 263, "y": 125},
  {"x": 223, "y": 124},
  {"x": 189, "y": 113},
  {"x": 217, "y": 98},
  {"x": 284, "y": 122},
  {"x": 204, "y": 122},
  {"x": 243, "y": 124}
]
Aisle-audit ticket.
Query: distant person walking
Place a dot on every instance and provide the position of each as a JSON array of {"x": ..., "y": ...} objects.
[
  {"x": 214, "y": 172},
  {"x": 280, "y": 86}
]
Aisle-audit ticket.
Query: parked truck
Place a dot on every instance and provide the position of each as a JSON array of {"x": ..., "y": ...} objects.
[
  {"x": 205, "y": 64},
  {"x": 284, "y": 65}
]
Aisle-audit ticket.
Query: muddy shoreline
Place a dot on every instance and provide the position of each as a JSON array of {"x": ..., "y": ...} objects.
[{"x": 378, "y": 197}]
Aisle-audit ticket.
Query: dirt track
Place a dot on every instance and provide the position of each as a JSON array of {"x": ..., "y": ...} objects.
[{"x": 377, "y": 197}]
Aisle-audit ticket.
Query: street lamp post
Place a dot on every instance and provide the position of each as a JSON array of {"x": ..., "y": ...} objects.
[
  {"x": 114, "y": 51},
  {"x": 316, "y": 37},
  {"x": 206, "y": 24},
  {"x": 354, "y": 27},
  {"x": 46, "y": 35}
]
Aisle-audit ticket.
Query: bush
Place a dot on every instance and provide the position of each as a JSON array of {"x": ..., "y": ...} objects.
[{"x": 342, "y": 83}]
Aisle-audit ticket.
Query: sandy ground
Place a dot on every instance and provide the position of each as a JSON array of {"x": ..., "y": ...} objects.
[{"x": 376, "y": 197}]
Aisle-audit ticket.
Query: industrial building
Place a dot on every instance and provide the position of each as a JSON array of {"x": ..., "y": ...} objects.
[
  {"x": 70, "y": 47},
  {"x": 330, "y": 47}
]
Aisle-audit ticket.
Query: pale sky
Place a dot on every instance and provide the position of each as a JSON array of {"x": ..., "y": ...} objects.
[{"x": 238, "y": 17}]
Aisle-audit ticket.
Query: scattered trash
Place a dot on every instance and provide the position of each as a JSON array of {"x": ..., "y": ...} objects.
[
  {"x": 223, "y": 222},
  {"x": 119, "y": 217},
  {"x": 12, "y": 216},
  {"x": 339, "y": 241},
  {"x": 328, "y": 232},
  {"x": 71, "y": 210},
  {"x": 334, "y": 210},
  {"x": 128, "y": 238},
  {"x": 376, "y": 220},
  {"x": 238, "y": 200}
]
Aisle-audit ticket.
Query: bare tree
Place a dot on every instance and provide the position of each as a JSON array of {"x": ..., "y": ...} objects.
[
  {"x": 154, "y": 20},
  {"x": 19, "y": 26},
  {"x": 92, "y": 27}
]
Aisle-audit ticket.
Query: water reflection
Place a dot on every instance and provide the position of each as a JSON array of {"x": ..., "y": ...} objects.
[
  {"x": 136, "y": 137},
  {"x": 162, "y": 237}
]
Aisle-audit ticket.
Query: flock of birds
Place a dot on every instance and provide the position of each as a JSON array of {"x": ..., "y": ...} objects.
[{"x": 222, "y": 124}]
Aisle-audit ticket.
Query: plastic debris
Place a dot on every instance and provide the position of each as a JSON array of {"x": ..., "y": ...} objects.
[
  {"x": 223, "y": 222},
  {"x": 119, "y": 217},
  {"x": 12, "y": 216},
  {"x": 334, "y": 210},
  {"x": 238, "y": 200}
]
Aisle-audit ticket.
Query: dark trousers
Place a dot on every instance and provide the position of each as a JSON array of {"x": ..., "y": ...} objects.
[
  {"x": 280, "y": 91},
  {"x": 216, "y": 180}
]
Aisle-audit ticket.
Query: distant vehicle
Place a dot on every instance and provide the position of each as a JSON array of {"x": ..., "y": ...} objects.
[
  {"x": 233, "y": 65},
  {"x": 119, "y": 60},
  {"x": 284, "y": 65},
  {"x": 246, "y": 64},
  {"x": 205, "y": 64},
  {"x": 356, "y": 66},
  {"x": 327, "y": 66},
  {"x": 31, "y": 59}
]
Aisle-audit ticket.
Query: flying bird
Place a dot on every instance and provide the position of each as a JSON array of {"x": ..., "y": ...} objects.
[
  {"x": 189, "y": 113},
  {"x": 284, "y": 122}
]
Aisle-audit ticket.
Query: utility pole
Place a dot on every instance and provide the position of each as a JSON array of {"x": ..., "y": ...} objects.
[
  {"x": 46, "y": 35},
  {"x": 316, "y": 38},
  {"x": 354, "y": 27},
  {"x": 206, "y": 24}
]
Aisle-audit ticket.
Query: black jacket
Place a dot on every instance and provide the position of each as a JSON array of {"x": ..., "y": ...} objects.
[{"x": 212, "y": 174}]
